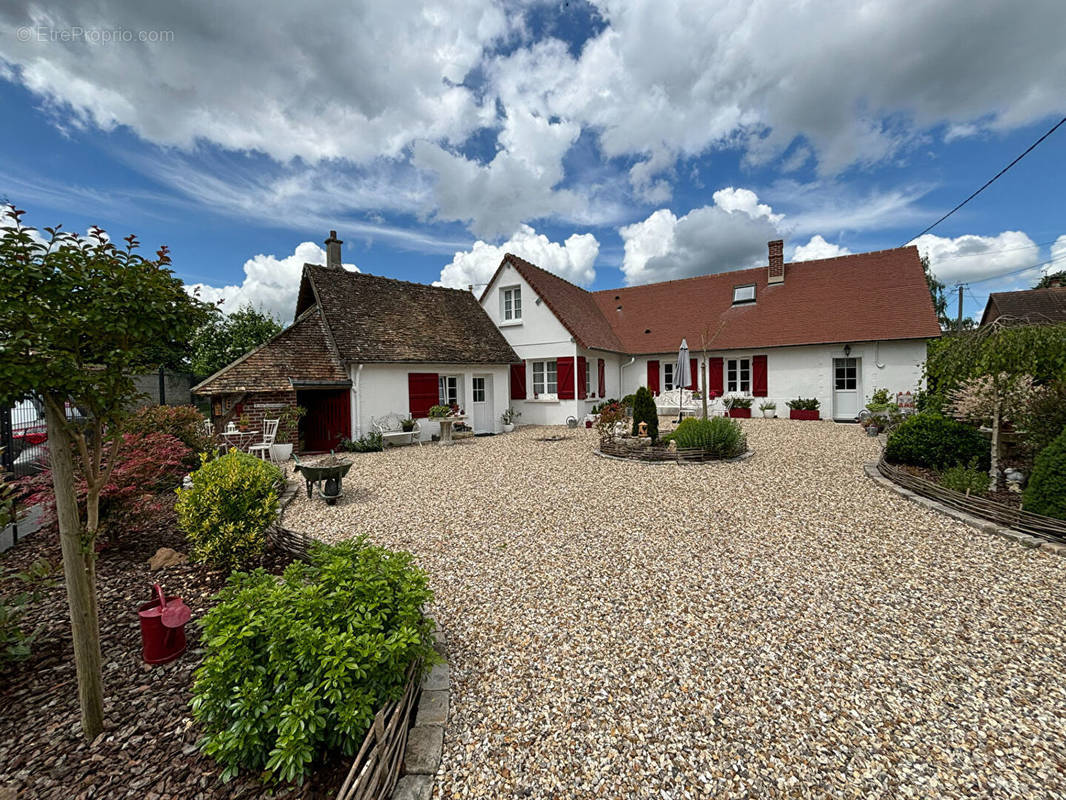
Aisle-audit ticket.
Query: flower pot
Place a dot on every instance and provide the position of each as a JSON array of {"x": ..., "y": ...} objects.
[
  {"x": 508, "y": 427},
  {"x": 795, "y": 413},
  {"x": 871, "y": 430},
  {"x": 281, "y": 452},
  {"x": 407, "y": 428},
  {"x": 768, "y": 413},
  {"x": 740, "y": 413}
]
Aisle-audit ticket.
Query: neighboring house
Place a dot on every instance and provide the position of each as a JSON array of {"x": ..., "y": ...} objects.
[
  {"x": 835, "y": 329},
  {"x": 363, "y": 347},
  {"x": 1032, "y": 307}
]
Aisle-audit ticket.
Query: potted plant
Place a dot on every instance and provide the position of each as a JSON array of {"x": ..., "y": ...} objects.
[
  {"x": 243, "y": 423},
  {"x": 407, "y": 425},
  {"x": 802, "y": 408},
  {"x": 768, "y": 408},
  {"x": 439, "y": 412},
  {"x": 508, "y": 417},
  {"x": 738, "y": 407},
  {"x": 288, "y": 430}
]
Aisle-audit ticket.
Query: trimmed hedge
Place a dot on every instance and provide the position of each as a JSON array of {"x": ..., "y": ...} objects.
[
  {"x": 644, "y": 410},
  {"x": 936, "y": 442},
  {"x": 1046, "y": 492}
]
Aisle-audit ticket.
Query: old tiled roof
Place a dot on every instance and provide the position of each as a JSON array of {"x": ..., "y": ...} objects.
[
  {"x": 373, "y": 319},
  {"x": 301, "y": 354},
  {"x": 1034, "y": 306},
  {"x": 861, "y": 297}
]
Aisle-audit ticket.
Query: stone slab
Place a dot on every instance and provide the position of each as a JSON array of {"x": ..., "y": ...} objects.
[
  {"x": 432, "y": 708},
  {"x": 437, "y": 679},
  {"x": 425, "y": 744},
  {"x": 413, "y": 787}
]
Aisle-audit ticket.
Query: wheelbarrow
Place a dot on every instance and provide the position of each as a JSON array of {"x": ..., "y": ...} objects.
[{"x": 326, "y": 475}]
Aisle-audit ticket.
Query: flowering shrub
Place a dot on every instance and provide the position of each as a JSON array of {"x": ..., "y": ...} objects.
[
  {"x": 611, "y": 419},
  {"x": 979, "y": 399},
  {"x": 302, "y": 677},
  {"x": 182, "y": 422},
  {"x": 231, "y": 505}
]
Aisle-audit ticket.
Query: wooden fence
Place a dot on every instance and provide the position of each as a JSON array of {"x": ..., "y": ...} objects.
[{"x": 999, "y": 513}]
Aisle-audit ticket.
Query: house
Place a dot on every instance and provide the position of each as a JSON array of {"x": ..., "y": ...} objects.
[
  {"x": 835, "y": 329},
  {"x": 1032, "y": 307},
  {"x": 362, "y": 347}
]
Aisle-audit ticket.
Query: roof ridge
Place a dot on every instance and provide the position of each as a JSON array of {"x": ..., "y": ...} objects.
[
  {"x": 360, "y": 273},
  {"x": 547, "y": 272}
]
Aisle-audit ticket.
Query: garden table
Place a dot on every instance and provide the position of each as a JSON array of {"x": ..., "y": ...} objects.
[
  {"x": 240, "y": 440},
  {"x": 446, "y": 428}
]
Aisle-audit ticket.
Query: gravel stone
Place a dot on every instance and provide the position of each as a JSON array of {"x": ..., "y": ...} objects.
[{"x": 778, "y": 627}]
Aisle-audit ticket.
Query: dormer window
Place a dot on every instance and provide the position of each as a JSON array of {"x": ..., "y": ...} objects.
[
  {"x": 511, "y": 300},
  {"x": 744, "y": 294}
]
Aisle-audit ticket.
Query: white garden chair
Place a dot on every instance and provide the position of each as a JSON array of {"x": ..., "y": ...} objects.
[{"x": 264, "y": 448}]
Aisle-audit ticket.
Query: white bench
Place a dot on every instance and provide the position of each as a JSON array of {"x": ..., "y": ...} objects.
[{"x": 391, "y": 429}]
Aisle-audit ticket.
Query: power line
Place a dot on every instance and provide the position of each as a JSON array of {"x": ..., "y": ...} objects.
[
  {"x": 992, "y": 180},
  {"x": 1019, "y": 271}
]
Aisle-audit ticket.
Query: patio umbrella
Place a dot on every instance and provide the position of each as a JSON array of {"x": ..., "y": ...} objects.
[{"x": 682, "y": 375}]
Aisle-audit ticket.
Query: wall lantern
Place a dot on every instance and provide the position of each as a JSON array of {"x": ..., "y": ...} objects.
[{"x": 847, "y": 350}]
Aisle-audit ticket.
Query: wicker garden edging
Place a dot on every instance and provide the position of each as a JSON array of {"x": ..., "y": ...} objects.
[
  {"x": 1013, "y": 524},
  {"x": 663, "y": 455}
]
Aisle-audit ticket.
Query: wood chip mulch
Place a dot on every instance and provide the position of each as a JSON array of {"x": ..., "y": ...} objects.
[{"x": 148, "y": 749}]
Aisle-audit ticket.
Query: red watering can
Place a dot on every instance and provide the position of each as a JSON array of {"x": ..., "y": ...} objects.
[{"x": 163, "y": 627}]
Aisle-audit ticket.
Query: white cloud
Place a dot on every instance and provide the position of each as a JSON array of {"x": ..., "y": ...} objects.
[
  {"x": 573, "y": 260},
  {"x": 270, "y": 283},
  {"x": 817, "y": 248},
  {"x": 974, "y": 258},
  {"x": 1058, "y": 255}
]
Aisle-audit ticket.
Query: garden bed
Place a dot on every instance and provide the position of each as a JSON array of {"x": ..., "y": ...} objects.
[
  {"x": 661, "y": 453},
  {"x": 148, "y": 747}
]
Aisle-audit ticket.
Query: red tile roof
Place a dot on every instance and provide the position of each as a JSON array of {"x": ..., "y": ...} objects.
[
  {"x": 1037, "y": 306},
  {"x": 861, "y": 297}
]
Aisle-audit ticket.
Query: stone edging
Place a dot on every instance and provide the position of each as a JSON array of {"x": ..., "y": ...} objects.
[
  {"x": 984, "y": 525},
  {"x": 425, "y": 739},
  {"x": 742, "y": 457}
]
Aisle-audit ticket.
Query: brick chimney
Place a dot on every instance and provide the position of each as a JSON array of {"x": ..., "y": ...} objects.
[
  {"x": 776, "y": 270},
  {"x": 333, "y": 251}
]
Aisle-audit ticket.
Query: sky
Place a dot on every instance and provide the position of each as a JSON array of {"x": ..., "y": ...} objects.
[{"x": 614, "y": 143}]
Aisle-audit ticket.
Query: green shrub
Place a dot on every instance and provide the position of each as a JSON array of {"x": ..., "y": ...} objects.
[
  {"x": 439, "y": 412},
  {"x": 720, "y": 437},
  {"x": 301, "y": 678},
  {"x": 929, "y": 440},
  {"x": 736, "y": 401},
  {"x": 627, "y": 401},
  {"x": 370, "y": 443},
  {"x": 1045, "y": 418},
  {"x": 966, "y": 479},
  {"x": 644, "y": 410},
  {"x": 226, "y": 513},
  {"x": 15, "y": 642},
  {"x": 801, "y": 404},
  {"x": 1046, "y": 492},
  {"x": 881, "y": 397}
]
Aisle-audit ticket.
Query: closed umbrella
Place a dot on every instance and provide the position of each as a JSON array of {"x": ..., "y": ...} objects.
[{"x": 682, "y": 375}]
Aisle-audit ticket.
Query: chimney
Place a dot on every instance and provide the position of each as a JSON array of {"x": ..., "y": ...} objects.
[
  {"x": 333, "y": 251},
  {"x": 776, "y": 270}
]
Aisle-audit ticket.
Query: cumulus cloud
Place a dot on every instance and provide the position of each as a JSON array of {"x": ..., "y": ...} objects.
[
  {"x": 977, "y": 258},
  {"x": 573, "y": 260},
  {"x": 270, "y": 283},
  {"x": 817, "y": 248}
]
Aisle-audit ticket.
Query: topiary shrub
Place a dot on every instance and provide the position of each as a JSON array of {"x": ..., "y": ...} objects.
[
  {"x": 936, "y": 442},
  {"x": 1046, "y": 492},
  {"x": 300, "y": 679},
  {"x": 644, "y": 410},
  {"x": 226, "y": 513},
  {"x": 719, "y": 437}
]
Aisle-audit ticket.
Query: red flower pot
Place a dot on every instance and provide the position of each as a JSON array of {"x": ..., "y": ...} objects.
[
  {"x": 740, "y": 413},
  {"x": 794, "y": 413}
]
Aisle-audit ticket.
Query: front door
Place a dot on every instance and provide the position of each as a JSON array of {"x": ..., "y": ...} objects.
[
  {"x": 481, "y": 416},
  {"x": 328, "y": 418},
  {"x": 847, "y": 388}
]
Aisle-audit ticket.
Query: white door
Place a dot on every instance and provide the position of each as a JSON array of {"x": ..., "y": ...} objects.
[
  {"x": 847, "y": 388},
  {"x": 481, "y": 417}
]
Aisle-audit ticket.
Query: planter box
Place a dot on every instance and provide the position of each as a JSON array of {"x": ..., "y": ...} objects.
[
  {"x": 740, "y": 413},
  {"x": 794, "y": 413}
]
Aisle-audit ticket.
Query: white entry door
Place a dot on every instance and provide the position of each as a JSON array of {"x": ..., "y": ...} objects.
[
  {"x": 481, "y": 416},
  {"x": 847, "y": 388}
]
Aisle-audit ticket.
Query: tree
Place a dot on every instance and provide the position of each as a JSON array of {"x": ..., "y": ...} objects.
[
  {"x": 644, "y": 410},
  {"x": 1052, "y": 279},
  {"x": 79, "y": 318},
  {"x": 936, "y": 291},
  {"x": 224, "y": 339}
]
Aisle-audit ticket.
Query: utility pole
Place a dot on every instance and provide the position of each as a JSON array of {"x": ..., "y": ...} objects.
[{"x": 958, "y": 321}]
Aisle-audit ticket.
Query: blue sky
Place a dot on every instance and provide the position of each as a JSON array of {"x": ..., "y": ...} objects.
[{"x": 613, "y": 143}]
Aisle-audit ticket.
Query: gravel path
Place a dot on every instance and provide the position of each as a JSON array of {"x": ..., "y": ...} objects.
[{"x": 774, "y": 628}]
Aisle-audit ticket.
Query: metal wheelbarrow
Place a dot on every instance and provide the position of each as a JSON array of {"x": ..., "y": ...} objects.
[{"x": 326, "y": 475}]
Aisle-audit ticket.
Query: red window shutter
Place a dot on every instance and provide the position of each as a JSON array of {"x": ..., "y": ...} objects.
[
  {"x": 716, "y": 376},
  {"x": 582, "y": 385},
  {"x": 518, "y": 381},
  {"x": 653, "y": 377},
  {"x": 758, "y": 376},
  {"x": 564, "y": 375},
  {"x": 602, "y": 376},
  {"x": 694, "y": 368},
  {"x": 422, "y": 393}
]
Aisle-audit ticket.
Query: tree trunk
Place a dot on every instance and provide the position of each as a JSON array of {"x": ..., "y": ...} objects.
[
  {"x": 703, "y": 369},
  {"x": 79, "y": 570},
  {"x": 993, "y": 458}
]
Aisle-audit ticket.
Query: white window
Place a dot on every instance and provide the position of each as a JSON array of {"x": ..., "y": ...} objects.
[
  {"x": 544, "y": 379},
  {"x": 512, "y": 303},
  {"x": 668, "y": 376},
  {"x": 588, "y": 378},
  {"x": 846, "y": 373},
  {"x": 744, "y": 294},
  {"x": 448, "y": 390},
  {"x": 479, "y": 390},
  {"x": 738, "y": 375}
]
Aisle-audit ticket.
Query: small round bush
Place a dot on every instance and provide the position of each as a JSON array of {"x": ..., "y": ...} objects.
[
  {"x": 936, "y": 442},
  {"x": 719, "y": 437},
  {"x": 1046, "y": 492},
  {"x": 226, "y": 513},
  {"x": 644, "y": 410},
  {"x": 966, "y": 479},
  {"x": 300, "y": 679}
]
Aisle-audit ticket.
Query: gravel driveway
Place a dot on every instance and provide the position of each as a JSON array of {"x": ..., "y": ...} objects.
[{"x": 778, "y": 627}]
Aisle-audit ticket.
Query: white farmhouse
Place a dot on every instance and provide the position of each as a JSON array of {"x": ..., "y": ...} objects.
[{"x": 833, "y": 329}]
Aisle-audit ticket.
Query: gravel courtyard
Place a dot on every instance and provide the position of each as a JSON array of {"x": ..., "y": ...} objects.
[{"x": 778, "y": 627}]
